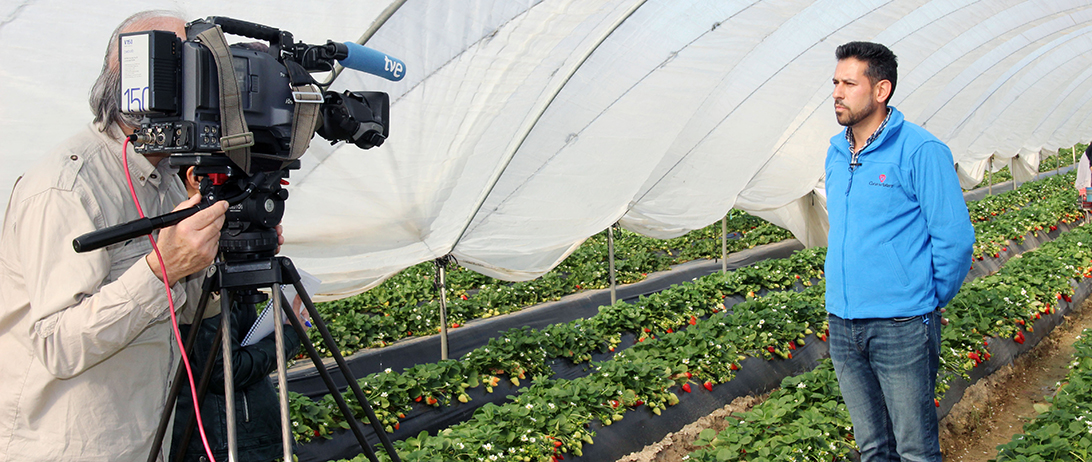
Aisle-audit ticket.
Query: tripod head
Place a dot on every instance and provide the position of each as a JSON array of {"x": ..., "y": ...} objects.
[
  {"x": 249, "y": 230},
  {"x": 256, "y": 206}
]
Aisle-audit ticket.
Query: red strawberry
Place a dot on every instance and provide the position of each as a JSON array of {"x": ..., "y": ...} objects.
[
  {"x": 708, "y": 386},
  {"x": 464, "y": 297},
  {"x": 418, "y": 399},
  {"x": 1067, "y": 298},
  {"x": 557, "y": 444},
  {"x": 936, "y": 402},
  {"x": 430, "y": 400},
  {"x": 670, "y": 331},
  {"x": 647, "y": 330},
  {"x": 771, "y": 349},
  {"x": 693, "y": 320},
  {"x": 822, "y": 337},
  {"x": 614, "y": 403},
  {"x": 1004, "y": 249},
  {"x": 641, "y": 339},
  {"x": 734, "y": 367},
  {"x": 396, "y": 425},
  {"x": 1019, "y": 338},
  {"x": 1058, "y": 296},
  {"x": 790, "y": 355},
  {"x": 638, "y": 403},
  {"x": 792, "y": 345},
  {"x": 689, "y": 375},
  {"x": 455, "y": 325},
  {"x": 686, "y": 387}
]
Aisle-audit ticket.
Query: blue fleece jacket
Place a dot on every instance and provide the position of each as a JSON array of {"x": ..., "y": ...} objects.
[{"x": 900, "y": 236}]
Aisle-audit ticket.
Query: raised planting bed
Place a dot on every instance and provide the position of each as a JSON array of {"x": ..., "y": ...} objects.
[
  {"x": 406, "y": 353},
  {"x": 523, "y": 353}
]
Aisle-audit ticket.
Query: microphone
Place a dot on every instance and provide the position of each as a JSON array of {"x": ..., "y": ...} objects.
[{"x": 374, "y": 62}]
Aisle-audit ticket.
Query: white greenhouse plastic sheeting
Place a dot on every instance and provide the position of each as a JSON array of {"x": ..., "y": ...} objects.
[{"x": 523, "y": 127}]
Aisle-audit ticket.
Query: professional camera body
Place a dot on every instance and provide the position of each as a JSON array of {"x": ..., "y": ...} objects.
[
  {"x": 184, "y": 92},
  {"x": 174, "y": 85}
]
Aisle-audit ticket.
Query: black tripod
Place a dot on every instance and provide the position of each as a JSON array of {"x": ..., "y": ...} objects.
[
  {"x": 247, "y": 263},
  {"x": 238, "y": 281}
]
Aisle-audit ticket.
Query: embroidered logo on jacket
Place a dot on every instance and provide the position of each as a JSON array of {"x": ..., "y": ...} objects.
[{"x": 883, "y": 178}]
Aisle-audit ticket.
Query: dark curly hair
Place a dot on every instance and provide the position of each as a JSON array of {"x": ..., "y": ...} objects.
[{"x": 882, "y": 63}]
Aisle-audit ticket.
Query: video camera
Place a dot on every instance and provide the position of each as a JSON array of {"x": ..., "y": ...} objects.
[
  {"x": 251, "y": 109},
  {"x": 174, "y": 84}
]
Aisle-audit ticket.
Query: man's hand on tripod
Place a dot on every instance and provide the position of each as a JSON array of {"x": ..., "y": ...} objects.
[
  {"x": 280, "y": 237},
  {"x": 302, "y": 315},
  {"x": 191, "y": 245}
]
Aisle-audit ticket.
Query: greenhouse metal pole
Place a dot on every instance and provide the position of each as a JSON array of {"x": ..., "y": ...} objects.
[
  {"x": 989, "y": 176},
  {"x": 610, "y": 260},
  {"x": 441, "y": 283},
  {"x": 724, "y": 242},
  {"x": 1012, "y": 170}
]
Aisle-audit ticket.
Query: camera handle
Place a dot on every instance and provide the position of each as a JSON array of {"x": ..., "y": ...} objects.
[
  {"x": 136, "y": 228},
  {"x": 143, "y": 226}
]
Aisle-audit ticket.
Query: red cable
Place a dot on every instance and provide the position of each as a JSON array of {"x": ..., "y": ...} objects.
[{"x": 170, "y": 300}]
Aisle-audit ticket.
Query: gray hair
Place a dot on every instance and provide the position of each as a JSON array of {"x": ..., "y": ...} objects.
[{"x": 105, "y": 97}]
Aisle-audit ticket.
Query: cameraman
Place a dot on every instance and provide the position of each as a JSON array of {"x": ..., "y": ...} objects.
[{"x": 86, "y": 337}]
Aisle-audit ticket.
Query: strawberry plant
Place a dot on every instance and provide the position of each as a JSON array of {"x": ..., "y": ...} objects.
[{"x": 805, "y": 419}]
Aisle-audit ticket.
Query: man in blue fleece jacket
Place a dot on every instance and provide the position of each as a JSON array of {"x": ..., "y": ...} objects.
[{"x": 899, "y": 247}]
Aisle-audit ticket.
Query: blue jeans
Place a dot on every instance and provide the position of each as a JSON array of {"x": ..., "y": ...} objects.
[{"x": 887, "y": 370}]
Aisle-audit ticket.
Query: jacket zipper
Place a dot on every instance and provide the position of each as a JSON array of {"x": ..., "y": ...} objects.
[{"x": 845, "y": 287}]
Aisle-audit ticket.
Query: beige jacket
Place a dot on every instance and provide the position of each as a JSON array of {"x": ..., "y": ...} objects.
[{"x": 86, "y": 339}]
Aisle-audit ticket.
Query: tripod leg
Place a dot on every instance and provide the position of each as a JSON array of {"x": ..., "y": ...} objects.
[
  {"x": 338, "y": 358},
  {"x": 282, "y": 376},
  {"x": 229, "y": 379},
  {"x": 180, "y": 373},
  {"x": 316, "y": 359}
]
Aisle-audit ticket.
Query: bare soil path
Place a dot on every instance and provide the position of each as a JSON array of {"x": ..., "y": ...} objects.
[{"x": 997, "y": 407}]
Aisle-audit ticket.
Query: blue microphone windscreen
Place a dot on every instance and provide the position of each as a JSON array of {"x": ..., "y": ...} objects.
[{"x": 374, "y": 62}]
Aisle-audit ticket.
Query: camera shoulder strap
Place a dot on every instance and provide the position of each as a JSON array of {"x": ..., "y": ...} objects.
[
  {"x": 307, "y": 100},
  {"x": 237, "y": 138}
]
